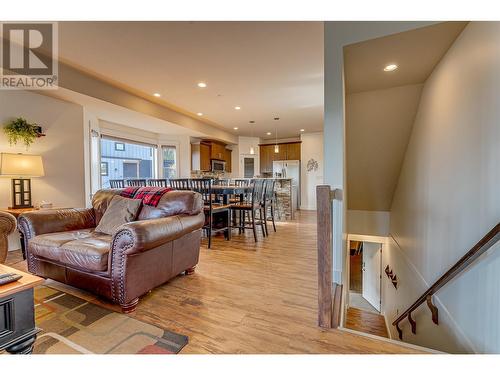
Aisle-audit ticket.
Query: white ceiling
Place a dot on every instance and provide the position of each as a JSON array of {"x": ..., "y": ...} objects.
[
  {"x": 270, "y": 69},
  {"x": 381, "y": 107}
]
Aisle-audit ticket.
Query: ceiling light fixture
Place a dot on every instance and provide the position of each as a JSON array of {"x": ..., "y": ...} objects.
[
  {"x": 156, "y": 94},
  {"x": 302, "y": 130},
  {"x": 268, "y": 133},
  {"x": 200, "y": 114},
  {"x": 252, "y": 149},
  {"x": 202, "y": 85},
  {"x": 237, "y": 107},
  {"x": 276, "y": 147},
  {"x": 235, "y": 128},
  {"x": 390, "y": 68}
]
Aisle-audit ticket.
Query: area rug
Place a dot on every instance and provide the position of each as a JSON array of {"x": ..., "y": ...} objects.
[{"x": 71, "y": 325}]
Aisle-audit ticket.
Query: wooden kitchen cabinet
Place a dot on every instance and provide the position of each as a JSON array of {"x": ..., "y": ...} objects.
[
  {"x": 292, "y": 151},
  {"x": 266, "y": 158},
  {"x": 202, "y": 154},
  {"x": 287, "y": 151},
  {"x": 227, "y": 158},
  {"x": 205, "y": 157},
  {"x": 218, "y": 151}
]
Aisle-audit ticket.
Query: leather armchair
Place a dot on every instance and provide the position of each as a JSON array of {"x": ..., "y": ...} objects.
[
  {"x": 141, "y": 255},
  {"x": 7, "y": 226}
]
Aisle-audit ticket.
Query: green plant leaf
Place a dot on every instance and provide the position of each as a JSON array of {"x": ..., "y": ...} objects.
[{"x": 21, "y": 130}]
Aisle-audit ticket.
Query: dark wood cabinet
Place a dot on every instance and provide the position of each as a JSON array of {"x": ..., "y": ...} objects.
[
  {"x": 266, "y": 158},
  {"x": 205, "y": 154},
  {"x": 287, "y": 151},
  {"x": 17, "y": 313},
  {"x": 292, "y": 151},
  {"x": 202, "y": 154},
  {"x": 218, "y": 150},
  {"x": 227, "y": 157}
]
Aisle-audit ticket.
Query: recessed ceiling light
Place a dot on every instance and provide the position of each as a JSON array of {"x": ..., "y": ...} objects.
[
  {"x": 156, "y": 94},
  {"x": 200, "y": 114},
  {"x": 268, "y": 133},
  {"x": 235, "y": 128},
  {"x": 202, "y": 84},
  {"x": 302, "y": 130},
  {"x": 390, "y": 68},
  {"x": 237, "y": 107}
]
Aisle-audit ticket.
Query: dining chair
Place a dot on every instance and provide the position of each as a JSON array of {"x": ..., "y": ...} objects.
[
  {"x": 239, "y": 183},
  {"x": 269, "y": 203},
  {"x": 215, "y": 213},
  {"x": 236, "y": 198},
  {"x": 136, "y": 182},
  {"x": 117, "y": 184},
  {"x": 158, "y": 182},
  {"x": 222, "y": 181},
  {"x": 251, "y": 208},
  {"x": 180, "y": 183}
]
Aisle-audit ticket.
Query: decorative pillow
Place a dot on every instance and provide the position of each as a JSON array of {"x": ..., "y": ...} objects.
[{"x": 120, "y": 211}]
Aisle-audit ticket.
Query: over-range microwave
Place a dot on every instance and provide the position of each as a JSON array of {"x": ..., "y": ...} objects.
[{"x": 218, "y": 165}]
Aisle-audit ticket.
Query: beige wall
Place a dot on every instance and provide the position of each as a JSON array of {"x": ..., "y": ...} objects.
[
  {"x": 61, "y": 149},
  {"x": 447, "y": 196},
  {"x": 243, "y": 149},
  {"x": 378, "y": 128},
  {"x": 310, "y": 148},
  {"x": 336, "y": 36},
  {"x": 373, "y": 223}
]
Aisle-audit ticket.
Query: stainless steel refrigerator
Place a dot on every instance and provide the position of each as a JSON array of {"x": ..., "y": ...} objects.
[{"x": 289, "y": 169}]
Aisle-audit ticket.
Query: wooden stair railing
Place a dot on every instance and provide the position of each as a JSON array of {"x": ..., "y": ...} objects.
[
  {"x": 329, "y": 293},
  {"x": 480, "y": 248}
]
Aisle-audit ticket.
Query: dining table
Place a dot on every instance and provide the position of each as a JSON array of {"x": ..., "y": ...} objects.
[{"x": 231, "y": 190}]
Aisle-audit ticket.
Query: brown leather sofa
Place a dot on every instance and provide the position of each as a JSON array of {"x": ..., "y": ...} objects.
[
  {"x": 7, "y": 226},
  {"x": 164, "y": 242}
]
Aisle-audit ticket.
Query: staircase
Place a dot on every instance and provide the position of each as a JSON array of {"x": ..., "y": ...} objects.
[{"x": 490, "y": 239}]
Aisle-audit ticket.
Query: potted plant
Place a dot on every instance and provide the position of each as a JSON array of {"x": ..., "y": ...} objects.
[{"x": 21, "y": 130}]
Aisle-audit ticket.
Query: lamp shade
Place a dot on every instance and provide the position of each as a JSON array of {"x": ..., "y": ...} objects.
[{"x": 21, "y": 165}]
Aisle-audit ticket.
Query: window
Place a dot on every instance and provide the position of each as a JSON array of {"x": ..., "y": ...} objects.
[
  {"x": 129, "y": 161},
  {"x": 119, "y": 146},
  {"x": 169, "y": 161},
  {"x": 104, "y": 168}
]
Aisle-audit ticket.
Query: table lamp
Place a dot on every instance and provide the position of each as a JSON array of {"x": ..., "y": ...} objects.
[{"x": 20, "y": 168}]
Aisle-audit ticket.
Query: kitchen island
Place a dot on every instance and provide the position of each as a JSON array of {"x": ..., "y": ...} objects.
[{"x": 284, "y": 199}]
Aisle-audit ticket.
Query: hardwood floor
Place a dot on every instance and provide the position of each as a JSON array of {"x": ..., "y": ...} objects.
[
  {"x": 365, "y": 321},
  {"x": 248, "y": 297}
]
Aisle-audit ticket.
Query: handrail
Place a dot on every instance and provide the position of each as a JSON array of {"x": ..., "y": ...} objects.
[
  {"x": 477, "y": 250},
  {"x": 329, "y": 293}
]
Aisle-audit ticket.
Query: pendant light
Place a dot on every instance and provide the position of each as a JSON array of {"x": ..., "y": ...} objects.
[
  {"x": 252, "y": 149},
  {"x": 276, "y": 147}
]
